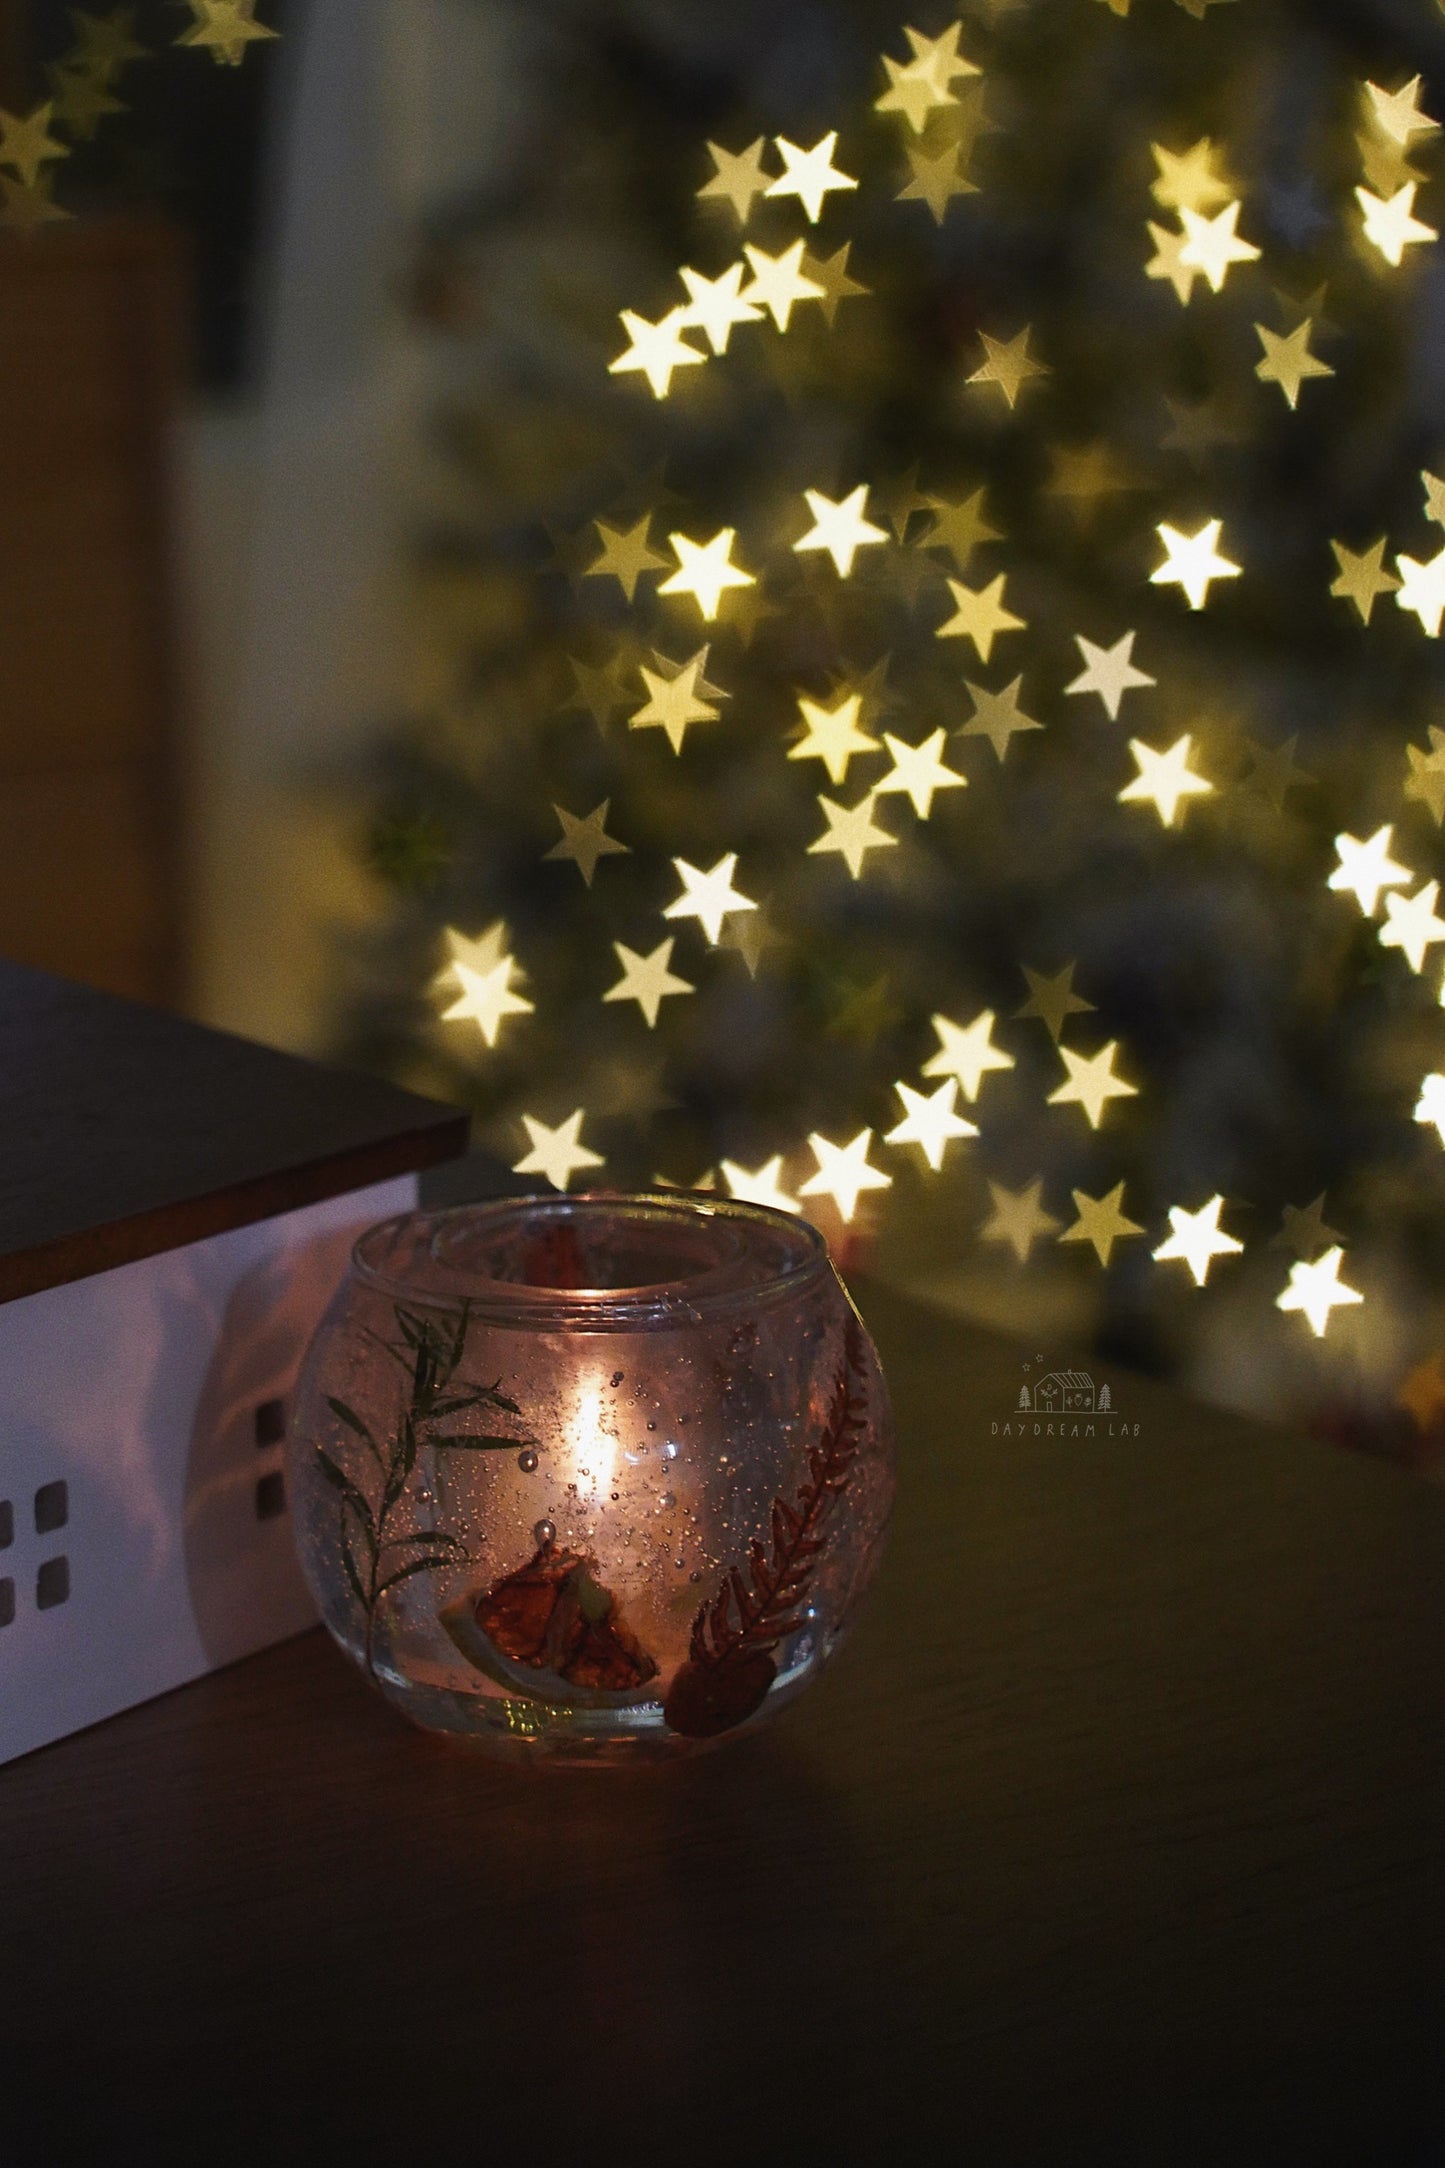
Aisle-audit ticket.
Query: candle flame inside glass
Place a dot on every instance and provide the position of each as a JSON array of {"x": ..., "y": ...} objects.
[{"x": 595, "y": 1453}]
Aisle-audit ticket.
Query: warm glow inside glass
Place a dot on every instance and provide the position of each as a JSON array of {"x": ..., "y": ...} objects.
[{"x": 592, "y": 1477}]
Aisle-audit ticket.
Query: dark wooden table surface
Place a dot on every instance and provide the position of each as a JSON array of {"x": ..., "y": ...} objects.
[{"x": 1115, "y": 1834}]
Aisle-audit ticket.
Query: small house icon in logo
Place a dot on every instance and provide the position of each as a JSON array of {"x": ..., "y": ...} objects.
[
  {"x": 1065, "y": 1392},
  {"x": 1062, "y": 1394}
]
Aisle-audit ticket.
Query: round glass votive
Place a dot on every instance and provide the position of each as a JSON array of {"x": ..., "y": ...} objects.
[{"x": 590, "y": 1476}]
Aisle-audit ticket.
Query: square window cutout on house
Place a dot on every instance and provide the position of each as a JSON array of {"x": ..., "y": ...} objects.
[
  {"x": 271, "y": 1496},
  {"x": 270, "y": 1422},
  {"x": 7, "y": 1524},
  {"x": 7, "y": 1602},
  {"x": 52, "y": 1508},
  {"x": 52, "y": 1583}
]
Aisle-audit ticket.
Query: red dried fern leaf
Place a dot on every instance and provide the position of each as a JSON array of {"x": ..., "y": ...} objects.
[
  {"x": 755, "y": 1618},
  {"x": 730, "y": 1660}
]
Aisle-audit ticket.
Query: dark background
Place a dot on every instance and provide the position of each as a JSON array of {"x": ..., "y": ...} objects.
[{"x": 191, "y": 146}]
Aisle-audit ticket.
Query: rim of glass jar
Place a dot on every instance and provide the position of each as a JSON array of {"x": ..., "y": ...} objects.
[{"x": 675, "y": 1302}]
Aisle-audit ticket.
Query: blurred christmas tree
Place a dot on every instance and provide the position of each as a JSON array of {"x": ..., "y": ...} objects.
[{"x": 929, "y": 554}]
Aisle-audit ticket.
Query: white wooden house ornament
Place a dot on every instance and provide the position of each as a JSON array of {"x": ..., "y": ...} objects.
[{"x": 177, "y": 1207}]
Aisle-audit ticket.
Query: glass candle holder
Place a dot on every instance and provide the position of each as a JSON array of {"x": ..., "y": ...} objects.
[{"x": 597, "y": 1477}]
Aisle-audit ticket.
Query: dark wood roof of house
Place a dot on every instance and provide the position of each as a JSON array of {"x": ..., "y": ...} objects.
[{"x": 125, "y": 1130}]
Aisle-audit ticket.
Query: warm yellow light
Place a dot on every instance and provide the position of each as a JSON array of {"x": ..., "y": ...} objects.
[
  {"x": 1213, "y": 246},
  {"x": 594, "y": 1453},
  {"x": 1316, "y": 1289},
  {"x": 1192, "y": 561}
]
